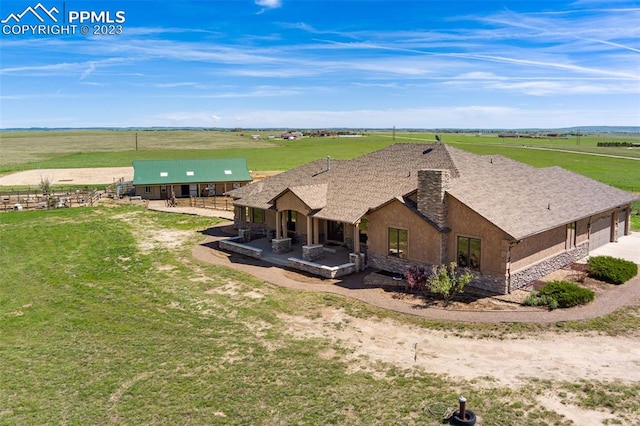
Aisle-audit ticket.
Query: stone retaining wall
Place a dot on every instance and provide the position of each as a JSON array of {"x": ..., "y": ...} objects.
[
  {"x": 235, "y": 245},
  {"x": 322, "y": 270}
]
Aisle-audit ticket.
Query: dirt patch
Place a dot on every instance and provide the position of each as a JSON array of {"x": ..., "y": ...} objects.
[
  {"x": 80, "y": 176},
  {"x": 377, "y": 346}
]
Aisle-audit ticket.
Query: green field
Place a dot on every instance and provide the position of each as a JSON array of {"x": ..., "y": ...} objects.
[
  {"x": 23, "y": 150},
  {"x": 26, "y": 150},
  {"x": 100, "y": 323}
]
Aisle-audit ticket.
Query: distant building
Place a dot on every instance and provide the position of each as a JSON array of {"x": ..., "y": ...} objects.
[{"x": 166, "y": 179}]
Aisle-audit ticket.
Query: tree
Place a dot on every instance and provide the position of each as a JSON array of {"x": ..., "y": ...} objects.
[
  {"x": 446, "y": 281},
  {"x": 45, "y": 185}
]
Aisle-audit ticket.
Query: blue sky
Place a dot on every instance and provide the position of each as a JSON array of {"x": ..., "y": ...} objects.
[{"x": 320, "y": 64}]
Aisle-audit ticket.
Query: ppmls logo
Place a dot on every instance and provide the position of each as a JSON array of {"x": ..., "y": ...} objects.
[
  {"x": 33, "y": 11},
  {"x": 40, "y": 20}
]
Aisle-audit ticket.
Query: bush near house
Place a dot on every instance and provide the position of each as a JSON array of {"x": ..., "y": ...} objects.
[
  {"x": 416, "y": 278},
  {"x": 612, "y": 269},
  {"x": 446, "y": 281},
  {"x": 560, "y": 294}
]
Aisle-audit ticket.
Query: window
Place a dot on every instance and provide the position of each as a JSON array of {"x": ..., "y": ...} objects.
[
  {"x": 469, "y": 252},
  {"x": 398, "y": 242},
  {"x": 571, "y": 236},
  {"x": 147, "y": 190},
  {"x": 257, "y": 215},
  {"x": 292, "y": 217}
]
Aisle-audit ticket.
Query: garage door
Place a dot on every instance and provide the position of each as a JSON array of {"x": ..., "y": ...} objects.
[
  {"x": 600, "y": 233},
  {"x": 622, "y": 222}
]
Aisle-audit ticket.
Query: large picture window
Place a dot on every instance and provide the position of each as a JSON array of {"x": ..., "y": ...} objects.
[
  {"x": 257, "y": 216},
  {"x": 469, "y": 252},
  {"x": 398, "y": 242}
]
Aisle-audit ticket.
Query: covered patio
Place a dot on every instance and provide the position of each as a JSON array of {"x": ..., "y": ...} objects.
[{"x": 331, "y": 261}]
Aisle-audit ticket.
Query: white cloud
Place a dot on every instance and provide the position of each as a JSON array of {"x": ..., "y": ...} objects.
[{"x": 270, "y": 4}]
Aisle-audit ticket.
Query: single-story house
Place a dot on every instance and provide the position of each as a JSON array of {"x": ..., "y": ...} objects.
[
  {"x": 166, "y": 179},
  {"x": 427, "y": 204}
]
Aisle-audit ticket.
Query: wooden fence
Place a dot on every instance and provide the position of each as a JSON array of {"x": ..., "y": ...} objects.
[
  {"x": 32, "y": 200},
  {"x": 216, "y": 203}
]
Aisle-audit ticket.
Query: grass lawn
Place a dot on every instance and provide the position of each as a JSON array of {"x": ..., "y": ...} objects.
[{"x": 103, "y": 321}]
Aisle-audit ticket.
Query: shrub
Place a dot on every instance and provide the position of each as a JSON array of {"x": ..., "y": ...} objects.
[
  {"x": 566, "y": 294},
  {"x": 416, "y": 278},
  {"x": 447, "y": 281},
  {"x": 537, "y": 299},
  {"x": 612, "y": 269}
]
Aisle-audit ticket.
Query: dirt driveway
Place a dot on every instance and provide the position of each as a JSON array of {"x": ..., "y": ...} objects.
[{"x": 87, "y": 176}]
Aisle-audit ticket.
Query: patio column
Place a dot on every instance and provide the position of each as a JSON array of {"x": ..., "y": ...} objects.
[
  {"x": 283, "y": 216},
  {"x": 309, "y": 231},
  {"x": 278, "y": 229},
  {"x": 356, "y": 237},
  {"x": 316, "y": 231}
]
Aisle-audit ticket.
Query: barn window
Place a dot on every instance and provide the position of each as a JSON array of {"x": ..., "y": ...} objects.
[
  {"x": 147, "y": 190},
  {"x": 469, "y": 251},
  {"x": 398, "y": 243}
]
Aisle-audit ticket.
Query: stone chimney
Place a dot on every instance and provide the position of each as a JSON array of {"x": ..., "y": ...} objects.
[{"x": 432, "y": 184}]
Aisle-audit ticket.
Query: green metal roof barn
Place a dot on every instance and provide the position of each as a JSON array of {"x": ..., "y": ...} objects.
[{"x": 169, "y": 172}]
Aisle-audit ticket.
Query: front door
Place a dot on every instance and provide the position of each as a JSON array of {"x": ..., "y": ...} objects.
[{"x": 335, "y": 231}]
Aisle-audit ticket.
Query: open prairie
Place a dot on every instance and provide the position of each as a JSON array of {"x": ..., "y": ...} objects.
[
  {"x": 28, "y": 150},
  {"x": 106, "y": 315}
]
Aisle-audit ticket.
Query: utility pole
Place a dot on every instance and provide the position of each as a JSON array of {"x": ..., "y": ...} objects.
[{"x": 136, "y": 141}]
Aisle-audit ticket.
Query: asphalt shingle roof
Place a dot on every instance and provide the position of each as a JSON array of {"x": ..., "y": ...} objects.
[{"x": 519, "y": 199}]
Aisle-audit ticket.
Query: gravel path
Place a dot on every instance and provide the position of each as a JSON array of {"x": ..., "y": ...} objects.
[{"x": 353, "y": 287}]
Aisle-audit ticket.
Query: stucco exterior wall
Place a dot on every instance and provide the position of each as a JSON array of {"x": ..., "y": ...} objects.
[
  {"x": 538, "y": 247},
  {"x": 582, "y": 231},
  {"x": 423, "y": 239},
  {"x": 464, "y": 222}
]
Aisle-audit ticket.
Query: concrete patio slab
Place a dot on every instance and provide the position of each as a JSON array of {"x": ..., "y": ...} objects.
[{"x": 627, "y": 247}]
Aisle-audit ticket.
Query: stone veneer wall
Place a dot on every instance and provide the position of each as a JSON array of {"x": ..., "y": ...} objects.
[
  {"x": 283, "y": 245},
  {"x": 392, "y": 264},
  {"x": 494, "y": 283},
  {"x": 523, "y": 277},
  {"x": 432, "y": 185},
  {"x": 312, "y": 252},
  {"x": 359, "y": 260}
]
